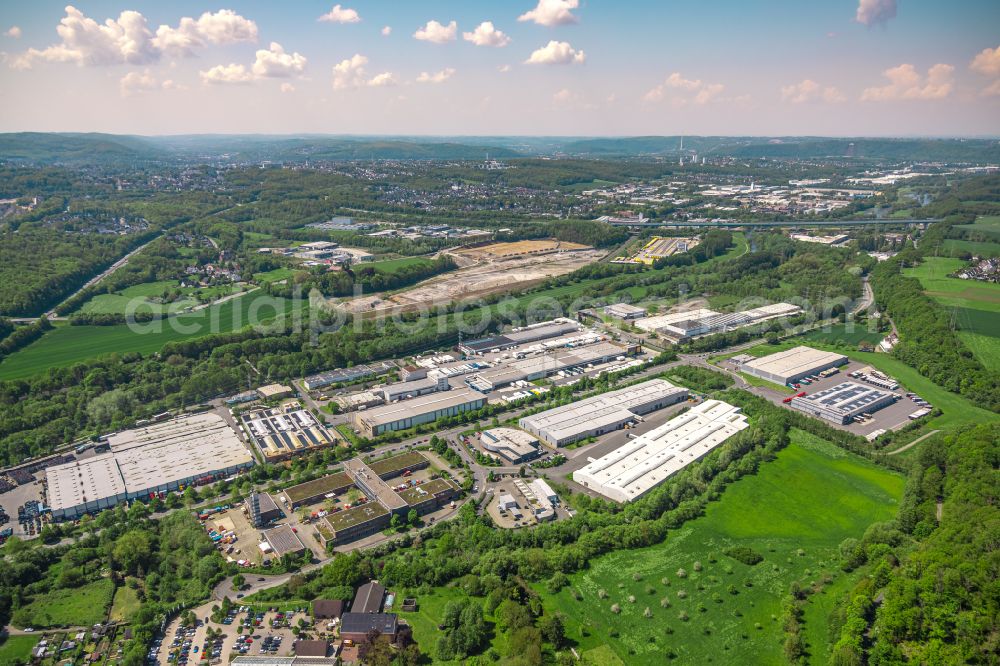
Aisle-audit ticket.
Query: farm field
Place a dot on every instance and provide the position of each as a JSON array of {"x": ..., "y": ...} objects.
[
  {"x": 794, "y": 513},
  {"x": 78, "y": 607},
  {"x": 975, "y": 306},
  {"x": 138, "y": 298},
  {"x": 65, "y": 345}
]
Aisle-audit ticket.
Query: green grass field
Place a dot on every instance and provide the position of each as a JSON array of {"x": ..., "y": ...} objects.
[
  {"x": 277, "y": 275},
  {"x": 65, "y": 345},
  {"x": 125, "y": 604},
  {"x": 839, "y": 333},
  {"x": 954, "y": 246},
  {"x": 430, "y": 612},
  {"x": 136, "y": 298},
  {"x": 975, "y": 306},
  {"x": 794, "y": 512},
  {"x": 78, "y": 607},
  {"x": 17, "y": 649},
  {"x": 390, "y": 265}
]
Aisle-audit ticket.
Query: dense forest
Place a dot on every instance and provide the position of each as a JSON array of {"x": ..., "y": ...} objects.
[{"x": 363, "y": 279}]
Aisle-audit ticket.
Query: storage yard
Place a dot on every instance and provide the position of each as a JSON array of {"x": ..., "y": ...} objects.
[
  {"x": 632, "y": 470},
  {"x": 602, "y": 413}
]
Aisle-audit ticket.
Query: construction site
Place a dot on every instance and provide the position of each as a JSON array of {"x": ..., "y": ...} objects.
[{"x": 495, "y": 268}]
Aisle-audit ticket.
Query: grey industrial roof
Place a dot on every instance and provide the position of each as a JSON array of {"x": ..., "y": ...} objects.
[
  {"x": 845, "y": 398},
  {"x": 283, "y": 540},
  {"x": 793, "y": 361},
  {"x": 419, "y": 406},
  {"x": 76, "y": 483}
]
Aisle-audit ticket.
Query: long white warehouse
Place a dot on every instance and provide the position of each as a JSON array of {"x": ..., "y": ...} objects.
[
  {"x": 602, "y": 413},
  {"x": 635, "y": 468}
]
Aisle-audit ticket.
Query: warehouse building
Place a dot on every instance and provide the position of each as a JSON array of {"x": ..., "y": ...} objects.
[
  {"x": 316, "y": 490},
  {"x": 414, "y": 388},
  {"x": 516, "y": 446},
  {"x": 281, "y": 433},
  {"x": 625, "y": 311},
  {"x": 520, "y": 336},
  {"x": 791, "y": 365},
  {"x": 685, "y": 325},
  {"x": 158, "y": 457},
  {"x": 841, "y": 403},
  {"x": 602, "y": 413},
  {"x": 393, "y": 466},
  {"x": 347, "y": 375},
  {"x": 274, "y": 392},
  {"x": 262, "y": 509},
  {"x": 429, "y": 496},
  {"x": 409, "y": 413},
  {"x": 635, "y": 468},
  {"x": 545, "y": 364}
]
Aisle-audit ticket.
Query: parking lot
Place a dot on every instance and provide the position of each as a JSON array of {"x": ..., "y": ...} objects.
[{"x": 243, "y": 631}]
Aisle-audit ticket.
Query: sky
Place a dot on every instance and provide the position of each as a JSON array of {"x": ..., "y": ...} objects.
[{"x": 503, "y": 67}]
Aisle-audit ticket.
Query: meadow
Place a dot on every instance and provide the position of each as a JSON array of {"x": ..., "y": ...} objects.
[
  {"x": 707, "y": 607},
  {"x": 66, "y": 345},
  {"x": 138, "y": 298},
  {"x": 839, "y": 333},
  {"x": 125, "y": 604},
  {"x": 17, "y": 649},
  {"x": 74, "y": 607},
  {"x": 391, "y": 265}
]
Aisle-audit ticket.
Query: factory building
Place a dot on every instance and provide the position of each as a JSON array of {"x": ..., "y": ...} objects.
[
  {"x": 414, "y": 388},
  {"x": 282, "y": 540},
  {"x": 602, "y": 413},
  {"x": 352, "y": 524},
  {"x": 520, "y": 336},
  {"x": 429, "y": 496},
  {"x": 625, "y": 311},
  {"x": 158, "y": 457},
  {"x": 399, "y": 464},
  {"x": 316, "y": 490},
  {"x": 841, "y": 403},
  {"x": 791, "y": 365},
  {"x": 409, "y": 413},
  {"x": 274, "y": 392},
  {"x": 685, "y": 325},
  {"x": 280, "y": 433},
  {"x": 545, "y": 364},
  {"x": 347, "y": 375},
  {"x": 516, "y": 446},
  {"x": 635, "y": 468}
]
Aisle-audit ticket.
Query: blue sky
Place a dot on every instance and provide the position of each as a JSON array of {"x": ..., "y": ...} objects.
[{"x": 567, "y": 67}]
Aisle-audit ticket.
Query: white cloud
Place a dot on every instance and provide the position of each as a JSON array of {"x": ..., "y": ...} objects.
[
  {"x": 223, "y": 27},
  {"x": 905, "y": 82},
  {"x": 383, "y": 79},
  {"x": 14, "y": 32},
  {"x": 993, "y": 90},
  {"x": 871, "y": 12},
  {"x": 987, "y": 62},
  {"x": 287, "y": 87},
  {"x": 231, "y": 73},
  {"x": 685, "y": 91},
  {"x": 170, "y": 84},
  {"x": 556, "y": 53},
  {"x": 436, "y": 77},
  {"x": 486, "y": 35},
  {"x": 352, "y": 73},
  {"x": 503, "y": 69},
  {"x": 340, "y": 15},
  {"x": 437, "y": 33},
  {"x": 135, "y": 82},
  {"x": 275, "y": 63},
  {"x": 810, "y": 91},
  {"x": 563, "y": 96},
  {"x": 128, "y": 39},
  {"x": 552, "y": 12},
  {"x": 386, "y": 30}
]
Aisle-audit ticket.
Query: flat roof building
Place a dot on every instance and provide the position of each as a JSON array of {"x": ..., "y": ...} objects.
[
  {"x": 602, "y": 413},
  {"x": 314, "y": 491},
  {"x": 280, "y": 433},
  {"x": 351, "y": 524},
  {"x": 283, "y": 541},
  {"x": 356, "y": 626},
  {"x": 516, "y": 446},
  {"x": 410, "y": 413},
  {"x": 347, "y": 375},
  {"x": 791, "y": 365},
  {"x": 274, "y": 392},
  {"x": 625, "y": 311},
  {"x": 519, "y": 336},
  {"x": 841, "y": 403},
  {"x": 157, "y": 457},
  {"x": 414, "y": 388},
  {"x": 635, "y": 468},
  {"x": 545, "y": 364},
  {"x": 393, "y": 466}
]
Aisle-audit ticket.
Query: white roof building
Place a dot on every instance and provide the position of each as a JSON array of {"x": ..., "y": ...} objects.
[{"x": 635, "y": 468}]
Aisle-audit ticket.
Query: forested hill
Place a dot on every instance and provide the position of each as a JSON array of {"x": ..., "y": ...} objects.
[{"x": 50, "y": 148}]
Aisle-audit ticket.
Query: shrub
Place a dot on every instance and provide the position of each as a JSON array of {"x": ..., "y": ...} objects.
[
  {"x": 616, "y": 609},
  {"x": 647, "y": 613},
  {"x": 631, "y": 598},
  {"x": 602, "y": 593},
  {"x": 664, "y": 603},
  {"x": 697, "y": 566},
  {"x": 745, "y": 554},
  {"x": 681, "y": 573}
]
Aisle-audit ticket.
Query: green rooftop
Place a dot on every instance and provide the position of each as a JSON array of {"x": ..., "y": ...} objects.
[
  {"x": 425, "y": 490},
  {"x": 397, "y": 462},
  {"x": 342, "y": 520},
  {"x": 320, "y": 486}
]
